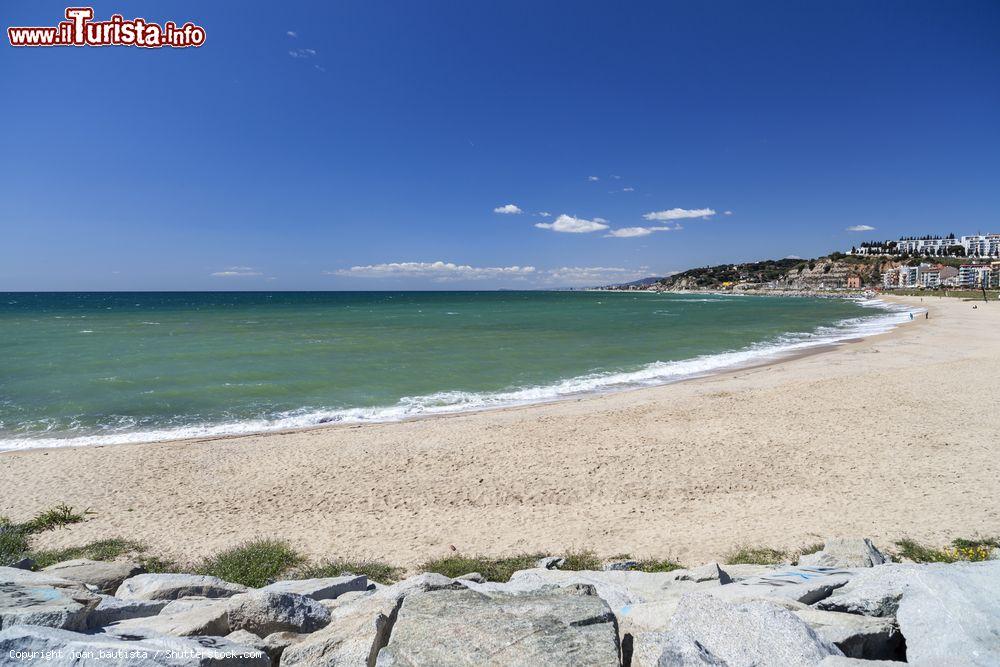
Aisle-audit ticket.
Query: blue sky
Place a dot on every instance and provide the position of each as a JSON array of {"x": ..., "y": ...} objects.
[{"x": 307, "y": 138}]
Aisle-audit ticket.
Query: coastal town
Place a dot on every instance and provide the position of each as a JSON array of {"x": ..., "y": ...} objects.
[
  {"x": 942, "y": 263},
  {"x": 981, "y": 270}
]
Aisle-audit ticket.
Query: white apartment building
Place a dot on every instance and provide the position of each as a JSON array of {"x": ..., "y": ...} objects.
[
  {"x": 933, "y": 246},
  {"x": 981, "y": 245},
  {"x": 974, "y": 245}
]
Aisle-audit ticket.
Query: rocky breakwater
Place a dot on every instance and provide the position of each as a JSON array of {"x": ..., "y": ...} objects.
[{"x": 844, "y": 605}]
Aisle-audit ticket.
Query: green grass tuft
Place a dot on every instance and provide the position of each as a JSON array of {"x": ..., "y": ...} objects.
[
  {"x": 494, "y": 569},
  {"x": 100, "y": 550},
  {"x": 653, "y": 565},
  {"x": 919, "y": 553},
  {"x": 60, "y": 515},
  {"x": 13, "y": 542},
  {"x": 960, "y": 550},
  {"x": 376, "y": 571},
  {"x": 256, "y": 563},
  {"x": 979, "y": 543},
  {"x": 585, "y": 560},
  {"x": 756, "y": 556}
]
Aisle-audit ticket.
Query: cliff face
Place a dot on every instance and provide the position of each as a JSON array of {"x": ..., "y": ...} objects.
[{"x": 826, "y": 273}]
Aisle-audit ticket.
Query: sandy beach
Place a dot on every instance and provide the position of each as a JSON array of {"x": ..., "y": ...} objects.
[{"x": 895, "y": 436}]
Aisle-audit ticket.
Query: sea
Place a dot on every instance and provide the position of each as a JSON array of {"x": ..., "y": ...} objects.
[{"x": 80, "y": 369}]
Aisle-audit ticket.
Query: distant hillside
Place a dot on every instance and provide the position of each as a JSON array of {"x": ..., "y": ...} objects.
[{"x": 642, "y": 282}]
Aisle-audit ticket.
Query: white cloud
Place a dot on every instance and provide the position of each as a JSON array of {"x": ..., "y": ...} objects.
[
  {"x": 509, "y": 209},
  {"x": 593, "y": 178},
  {"x": 545, "y": 214},
  {"x": 631, "y": 232},
  {"x": 571, "y": 225},
  {"x": 573, "y": 276},
  {"x": 436, "y": 271},
  {"x": 792, "y": 257},
  {"x": 566, "y": 276},
  {"x": 616, "y": 177},
  {"x": 302, "y": 53},
  {"x": 679, "y": 213},
  {"x": 292, "y": 33},
  {"x": 861, "y": 228},
  {"x": 727, "y": 213},
  {"x": 628, "y": 189},
  {"x": 236, "y": 272}
]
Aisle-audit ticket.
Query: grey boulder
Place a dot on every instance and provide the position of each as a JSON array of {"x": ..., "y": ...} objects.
[
  {"x": 620, "y": 565},
  {"x": 709, "y": 631},
  {"x": 28, "y": 601},
  {"x": 354, "y": 635},
  {"x": 799, "y": 584},
  {"x": 112, "y": 610},
  {"x": 845, "y": 552},
  {"x": 63, "y": 648},
  {"x": 207, "y": 617},
  {"x": 13, "y": 575},
  {"x": 173, "y": 586},
  {"x": 105, "y": 577},
  {"x": 950, "y": 614},
  {"x": 708, "y": 572},
  {"x": 857, "y": 636},
  {"x": 558, "y": 626},
  {"x": 265, "y": 612},
  {"x": 327, "y": 588}
]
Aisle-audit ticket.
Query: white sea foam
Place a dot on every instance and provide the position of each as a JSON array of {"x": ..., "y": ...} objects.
[{"x": 656, "y": 373}]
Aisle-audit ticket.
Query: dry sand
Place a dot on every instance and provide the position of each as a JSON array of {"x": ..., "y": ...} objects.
[{"x": 895, "y": 436}]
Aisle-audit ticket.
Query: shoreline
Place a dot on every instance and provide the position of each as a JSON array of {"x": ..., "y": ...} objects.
[
  {"x": 789, "y": 352},
  {"x": 779, "y": 455}
]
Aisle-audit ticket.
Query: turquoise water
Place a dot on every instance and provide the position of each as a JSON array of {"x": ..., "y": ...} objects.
[{"x": 93, "y": 368}]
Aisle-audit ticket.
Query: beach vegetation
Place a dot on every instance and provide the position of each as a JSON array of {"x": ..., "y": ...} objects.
[
  {"x": 55, "y": 517},
  {"x": 497, "y": 569},
  {"x": 104, "y": 550},
  {"x": 657, "y": 565},
  {"x": 376, "y": 571},
  {"x": 13, "y": 542},
  {"x": 255, "y": 563},
  {"x": 585, "y": 560},
  {"x": 748, "y": 555},
  {"x": 961, "y": 549},
  {"x": 15, "y": 537}
]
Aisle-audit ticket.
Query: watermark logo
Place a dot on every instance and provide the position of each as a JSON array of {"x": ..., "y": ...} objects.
[{"x": 79, "y": 29}]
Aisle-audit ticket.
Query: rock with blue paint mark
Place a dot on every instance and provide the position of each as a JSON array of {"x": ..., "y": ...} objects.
[
  {"x": 35, "y": 598},
  {"x": 63, "y": 648},
  {"x": 806, "y": 585}
]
